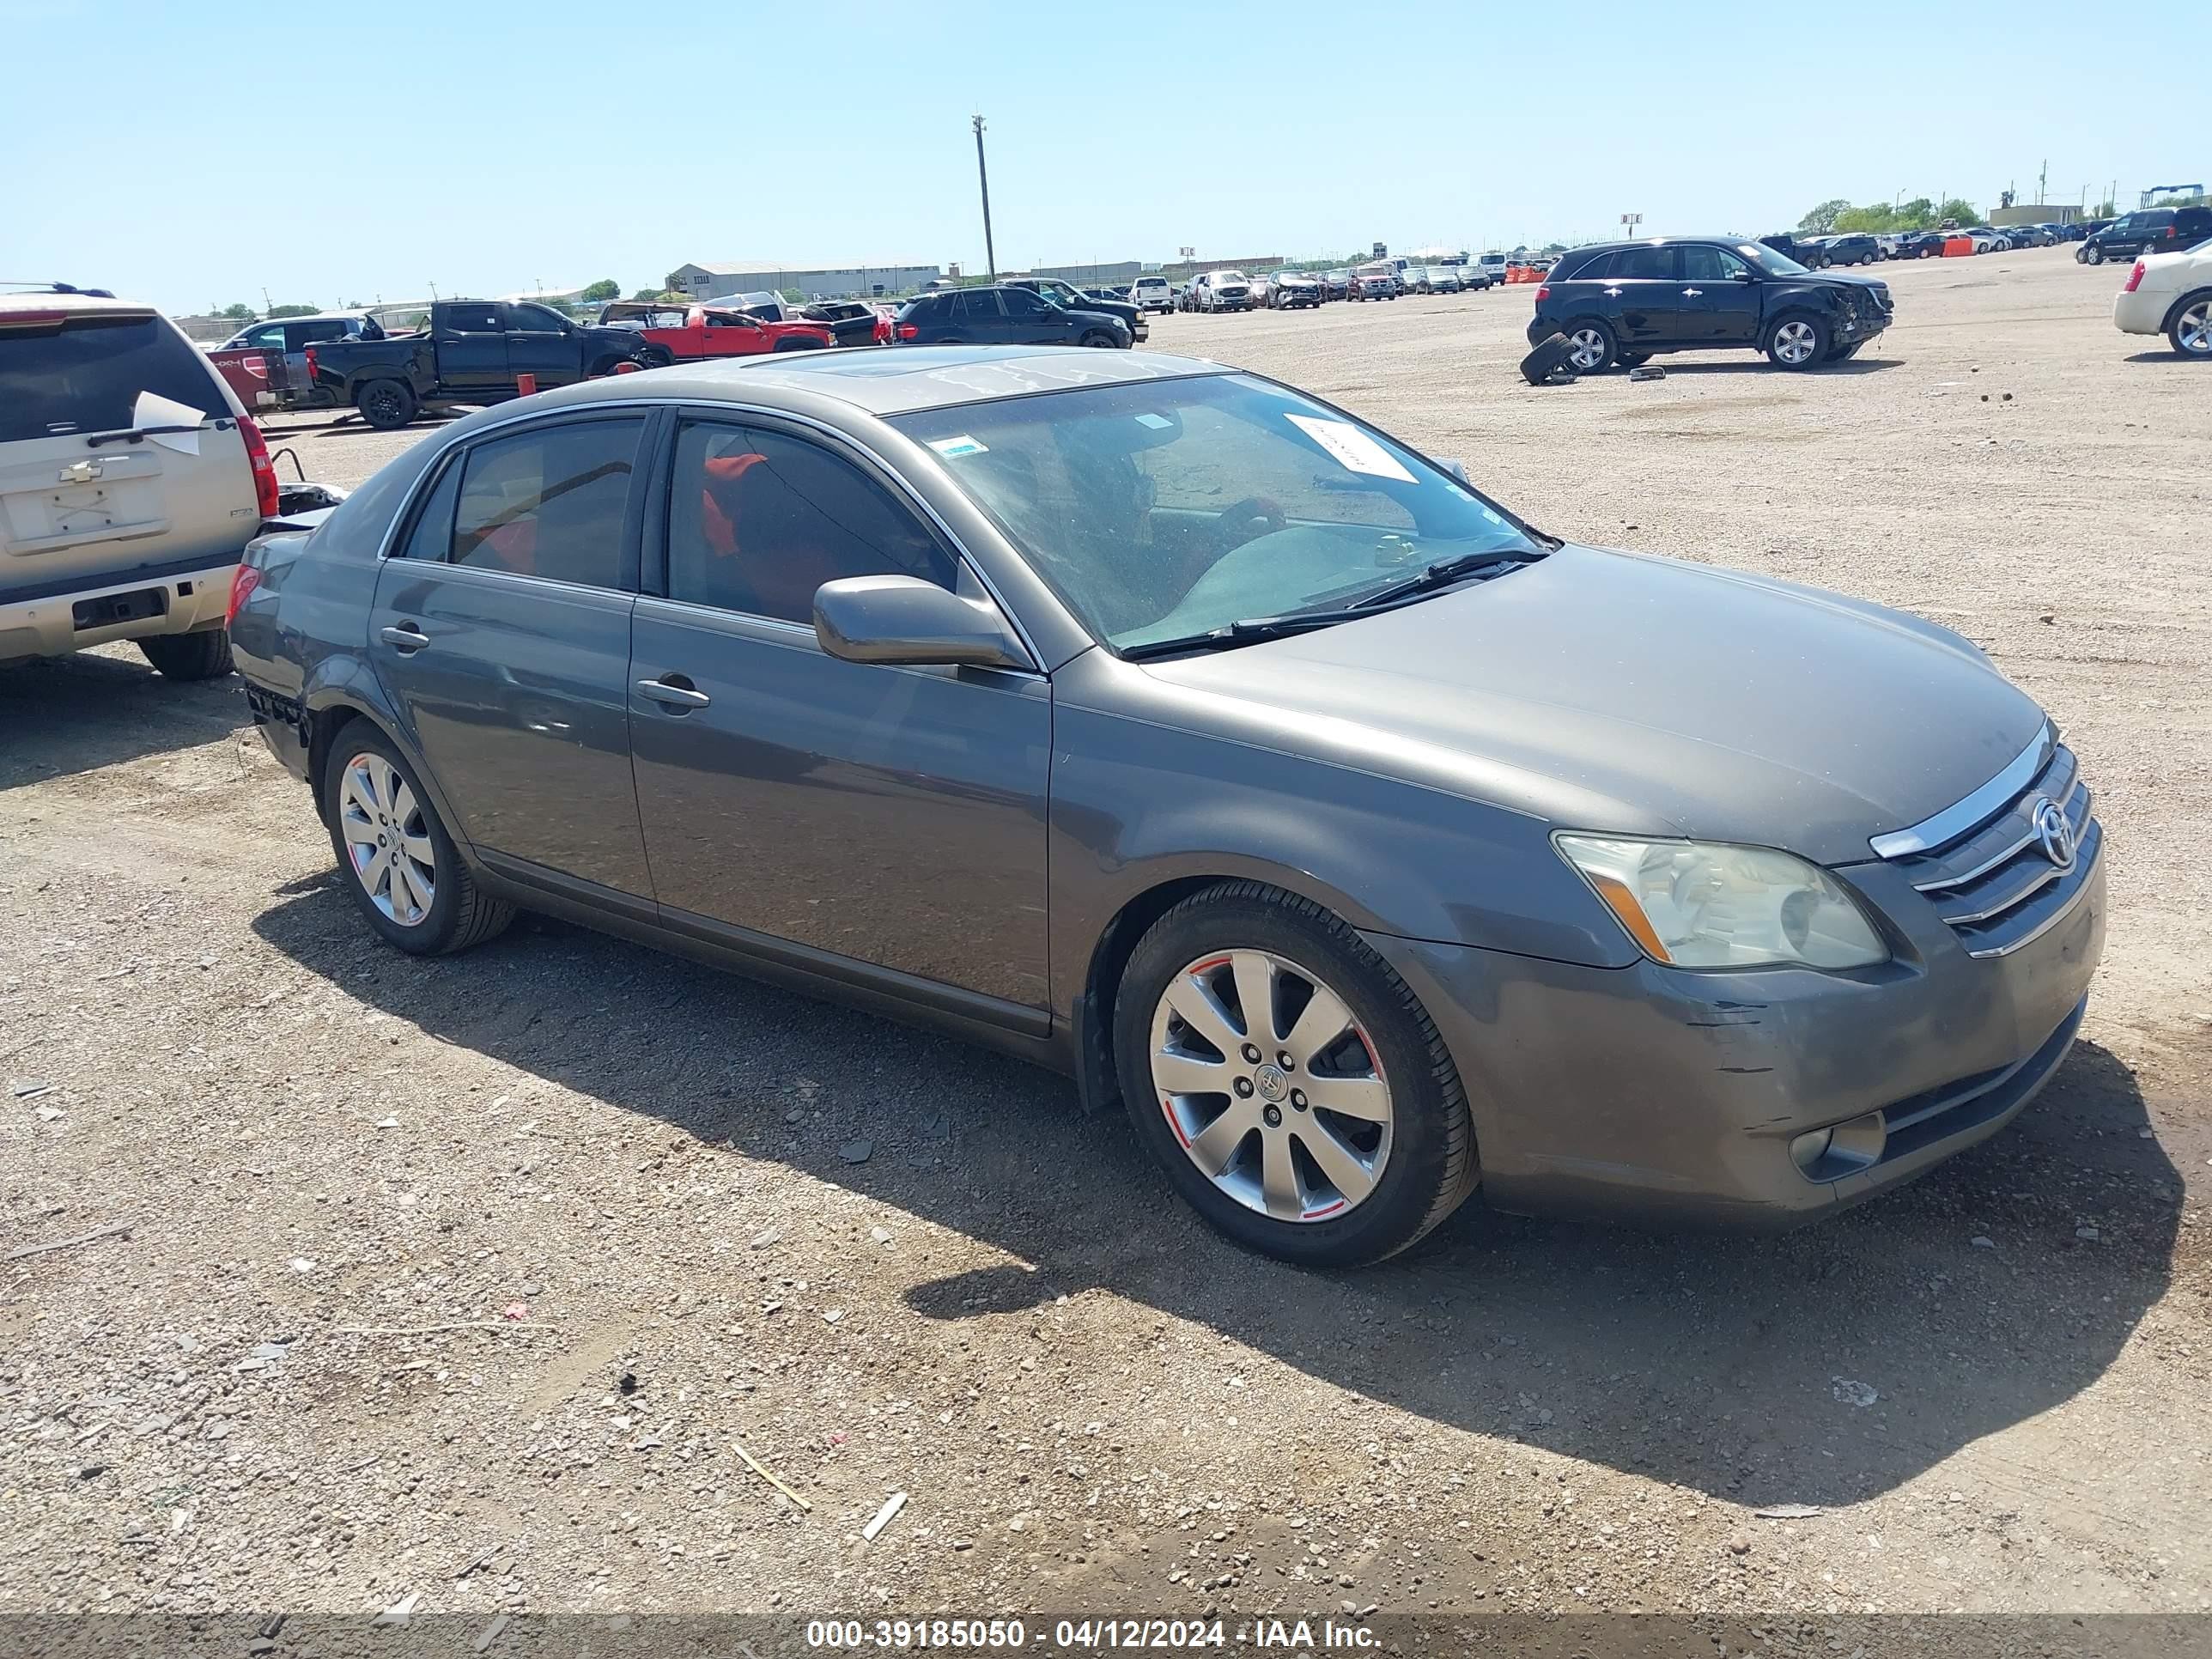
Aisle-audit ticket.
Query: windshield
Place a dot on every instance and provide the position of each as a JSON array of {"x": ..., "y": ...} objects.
[
  {"x": 1166, "y": 507},
  {"x": 1775, "y": 264}
]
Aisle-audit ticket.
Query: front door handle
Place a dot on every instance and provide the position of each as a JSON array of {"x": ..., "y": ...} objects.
[
  {"x": 408, "y": 638},
  {"x": 1612, "y": 294},
  {"x": 1691, "y": 292},
  {"x": 674, "y": 691}
]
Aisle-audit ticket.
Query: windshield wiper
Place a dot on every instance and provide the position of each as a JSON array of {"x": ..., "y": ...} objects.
[
  {"x": 1445, "y": 572},
  {"x": 1246, "y": 631}
]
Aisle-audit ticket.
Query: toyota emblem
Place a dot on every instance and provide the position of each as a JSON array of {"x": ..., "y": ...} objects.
[{"x": 2048, "y": 819}]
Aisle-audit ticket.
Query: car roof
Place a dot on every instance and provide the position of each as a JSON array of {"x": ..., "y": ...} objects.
[
  {"x": 45, "y": 300},
  {"x": 885, "y": 380}
]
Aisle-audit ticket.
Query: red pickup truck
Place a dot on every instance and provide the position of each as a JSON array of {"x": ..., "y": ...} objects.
[{"x": 673, "y": 333}]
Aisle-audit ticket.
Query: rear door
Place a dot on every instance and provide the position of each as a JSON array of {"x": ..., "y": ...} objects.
[
  {"x": 979, "y": 317},
  {"x": 502, "y": 630},
  {"x": 472, "y": 344},
  {"x": 1642, "y": 290},
  {"x": 81, "y": 504}
]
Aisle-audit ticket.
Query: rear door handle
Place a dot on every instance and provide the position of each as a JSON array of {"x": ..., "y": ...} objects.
[
  {"x": 1691, "y": 292},
  {"x": 674, "y": 691},
  {"x": 408, "y": 637},
  {"x": 1612, "y": 294}
]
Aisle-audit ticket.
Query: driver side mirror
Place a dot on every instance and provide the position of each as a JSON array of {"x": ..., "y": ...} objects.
[{"x": 905, "y": 620}]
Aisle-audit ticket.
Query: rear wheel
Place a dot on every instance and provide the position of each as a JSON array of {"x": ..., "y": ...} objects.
[
  {"x": 1795, "y": 340},
  {"x": 202, "y": 656},
  {"x": 400, "y": 863},
  {"x": 1288, "y": 1082},
  {"x": 387, "y": 405},
  {"x": 2191, "y": 331},
  {"x": 1591, "y": 348}
]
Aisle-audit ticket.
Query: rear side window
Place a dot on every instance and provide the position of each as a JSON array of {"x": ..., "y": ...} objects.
[
  {"x": 549, "y": 502},
  {"x": 1644, "y": 264},
  {"x": 86, "y": 376},
  {"x": 473, "y": 319}
]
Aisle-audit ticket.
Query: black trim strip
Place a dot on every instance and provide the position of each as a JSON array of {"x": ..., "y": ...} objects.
[{"x": 83, "y": 582}]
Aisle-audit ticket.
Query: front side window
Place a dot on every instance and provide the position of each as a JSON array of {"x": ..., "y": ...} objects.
[
  {"x": 1712, "y": 264},
  {"x": 534, "y": 319},
  {"x": 757, "y": 521},
  {"x": 1020, "y": 302},
  {"x": 270, "y": 338},
  {"x": 1164, "y": 508},
  {"x": 548, "y": 502}
]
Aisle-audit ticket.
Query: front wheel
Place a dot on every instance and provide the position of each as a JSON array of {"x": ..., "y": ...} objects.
[
  {"x": 1590, "y": 347},
  {"x": 202, "y": 656},
  {"x": 2191, "y": 331},
  {"x": 1796, "y": 341},
  {"x": 1099, "y": 339},
  {"x": 2094, "y": 256},
  {"x": 655, "y": 356},
  {"x": 1289, "y": 1083},
  {"x": 400, "y": 863}
]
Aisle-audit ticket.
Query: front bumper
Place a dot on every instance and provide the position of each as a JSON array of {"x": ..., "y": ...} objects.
[
  {"x": 192, "y": 595},
  {"x": 1648, "y": 1091}
]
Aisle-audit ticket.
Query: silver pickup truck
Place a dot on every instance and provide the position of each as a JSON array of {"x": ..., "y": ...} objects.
[{"x": 130, "y": 480}]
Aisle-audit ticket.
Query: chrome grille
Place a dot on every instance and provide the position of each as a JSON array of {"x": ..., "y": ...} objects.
[{"x": 1995, "y": 885}]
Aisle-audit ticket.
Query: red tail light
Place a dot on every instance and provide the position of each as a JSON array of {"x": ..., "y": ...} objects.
[
  {"x": 243, "y": 582},
  {"x": 265, "y": 475},
  {"x": 909, "y": 331},
  {"x": 311, "y": 365},
  {"x": 2135, "y": 277},
  {"x": 1543, "y": 292}
]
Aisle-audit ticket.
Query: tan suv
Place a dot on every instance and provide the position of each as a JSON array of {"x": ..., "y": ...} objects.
[{"x": 130, "y": 480}]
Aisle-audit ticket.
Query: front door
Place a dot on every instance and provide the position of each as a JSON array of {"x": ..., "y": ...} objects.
[
  {"x": 540, "y": 341},
  {"x": 502, "y": 630},
  {"x": 1720, "y": 297},
  {"x": 471, "y": 343},
  {"x": 883, "y": 816}
]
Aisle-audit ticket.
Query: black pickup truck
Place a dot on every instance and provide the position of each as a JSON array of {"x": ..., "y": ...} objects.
[{"x": 474, "y": 351}]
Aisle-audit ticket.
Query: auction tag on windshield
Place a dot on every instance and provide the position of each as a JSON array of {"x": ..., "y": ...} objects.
[
  {"x": 1158, "y": 422},
  {"x": 1354, "y": 450},
  {"x": 962, "y": 444}
]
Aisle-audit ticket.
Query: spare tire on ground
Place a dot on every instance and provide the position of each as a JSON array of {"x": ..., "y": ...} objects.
[{"x": 1546, "y": 360}]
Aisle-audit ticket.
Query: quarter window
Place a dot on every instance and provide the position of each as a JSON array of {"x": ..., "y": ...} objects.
[
  {"x": 757, "y": 521},
  {"x": 548, "y": 502}
]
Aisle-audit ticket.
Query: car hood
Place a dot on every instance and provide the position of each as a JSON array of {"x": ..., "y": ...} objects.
[{"x": 1617, "y": 692}]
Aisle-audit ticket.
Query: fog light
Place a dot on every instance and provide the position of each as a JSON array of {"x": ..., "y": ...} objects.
[{"x": 1846, "y": 1149}]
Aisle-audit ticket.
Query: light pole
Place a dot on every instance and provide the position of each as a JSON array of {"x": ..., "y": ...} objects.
[{"x": 983, "y": 177}]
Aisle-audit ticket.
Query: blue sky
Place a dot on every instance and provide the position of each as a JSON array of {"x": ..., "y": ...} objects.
[{"x": 192, "y": 153}]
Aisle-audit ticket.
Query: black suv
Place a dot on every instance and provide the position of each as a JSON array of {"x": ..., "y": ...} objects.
[
  {"x": 1004, "y": 316},
  {"x": 1621, "y": 302},
  {"x": 2148, "y": 230}
]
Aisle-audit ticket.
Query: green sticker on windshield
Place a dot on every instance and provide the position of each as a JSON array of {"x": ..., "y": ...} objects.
[{"x": 1158, "y": 422}]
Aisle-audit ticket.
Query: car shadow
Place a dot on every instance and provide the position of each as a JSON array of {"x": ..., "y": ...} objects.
[
  {"x": 2161, "y": 358},
  {"x": 1824, "y": 1366},
  {"x": 1760, "y": 365},
  {"x": 80, "y": 712}
]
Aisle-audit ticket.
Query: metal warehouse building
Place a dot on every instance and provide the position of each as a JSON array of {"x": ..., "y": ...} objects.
[{"x": 717, "y": 281}]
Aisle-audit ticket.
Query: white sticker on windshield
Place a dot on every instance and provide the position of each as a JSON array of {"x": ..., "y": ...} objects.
[
  {"x": 1158, "y": 422},
  {"x": 962, "y": 444},
  {"x": 1354, "y": 450}
]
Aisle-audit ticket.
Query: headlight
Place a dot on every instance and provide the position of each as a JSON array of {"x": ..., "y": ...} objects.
[{"x": 1706, "y": 904}]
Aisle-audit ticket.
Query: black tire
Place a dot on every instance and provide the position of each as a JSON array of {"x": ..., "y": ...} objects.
[
  {"x": 1591, "y": 347},
  {"x": 1099, "y": 339},
  {"x": 2190, "y": 322},
  {"x": 387, "y": 405},
  {"x": 460, "y": 913},
  {"x": 1927, "y": 253},
  {"x": 655, "y": 356},
  {"x": 1780, "y": 341},
  {"x": 2093, "y": 255},
  {"x": 1432, "y": 1168},
  {"x": 1546, "y": 360},
  {"x": 202, "y": 656}
]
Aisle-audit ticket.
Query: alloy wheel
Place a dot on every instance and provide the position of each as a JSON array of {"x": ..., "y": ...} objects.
[
  {"x": 1585, "y": 348},
  {"x": 1272, "y": 1088},
  {"x": 387, "y": 839},
  {"x": 2192, "y": 330},
  {"x": 1795, "y": 342}
]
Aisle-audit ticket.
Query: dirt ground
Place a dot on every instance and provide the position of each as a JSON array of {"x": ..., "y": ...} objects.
[{"x": 878, "y": 1262}]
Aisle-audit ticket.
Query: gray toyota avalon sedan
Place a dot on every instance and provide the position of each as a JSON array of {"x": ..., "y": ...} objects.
[{"x": 1171, "y": 727}]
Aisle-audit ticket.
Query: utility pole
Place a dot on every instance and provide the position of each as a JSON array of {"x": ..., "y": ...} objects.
[
  {"x": 2042, "y": 181},
  {"x": 983, "y": 177}
]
